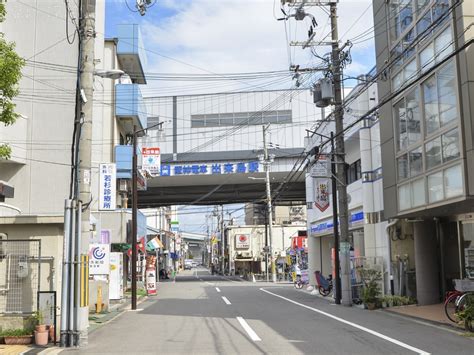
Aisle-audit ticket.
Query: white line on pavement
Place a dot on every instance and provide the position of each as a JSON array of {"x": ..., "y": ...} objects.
[
  {"x": 226, "y": 300},
  {"x": 217, "y": 289},
  {"x": 249, "y": 330},
  {"x": 367, "y": 330},
  {"x": 209, "y": 283}
]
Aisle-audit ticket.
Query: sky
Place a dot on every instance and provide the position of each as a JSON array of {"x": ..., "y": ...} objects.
[{"x": 235, "y": 36}]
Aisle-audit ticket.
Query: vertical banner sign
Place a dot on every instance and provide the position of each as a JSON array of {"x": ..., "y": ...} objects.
[
  {"x": 321, "y": 198},
  {"x": 99, "y": 259},
  {"x": 150, "y": 281},
  {"x": 151, "y": 160},
  {"x": 107, "y": 186}
]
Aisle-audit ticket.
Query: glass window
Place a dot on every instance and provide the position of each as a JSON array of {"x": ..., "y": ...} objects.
[
  {"x": 431, "y": 105},
  {"x": 418, "y": 192},
  {"x": 453, "y": 181},
  {"x": 423, "y": 24},
  {"x": 427, "y": 57},
  {"x": 439, "y": 8},
  {"x": 404, "y": 200},
  {"x": 402, "y": 163},
  {"x": 413, "y": 121},
  {"x": 406, "y": 14},
  {"x": 421, "y": 4},
  {"x": 396, "y": 56},
  {"x": 433, "y": 153},
  {"x": 443, "y": 44},
  {"x": 397, "y": 81},
  {"x": 416, "y": 162},
  {"x": 400, "y": 121},
  {"x": 435, "y": 187},
  {"x": 450, "y": 145},
  {"x": 407, "y": 42},
  {"x": 410, "y": 71},
  {"x": 447, "y": 94},
  {"x": 395, "y": 21}
]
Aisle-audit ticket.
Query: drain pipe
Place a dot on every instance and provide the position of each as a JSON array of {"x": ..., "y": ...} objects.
[
  {"x": 64, "y": 336},
  {"x": 389, "y": 263}
]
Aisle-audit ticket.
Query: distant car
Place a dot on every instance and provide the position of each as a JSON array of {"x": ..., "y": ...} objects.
[
  {"x": 188, "y": 264},
  {"x": 195, "y": 264}
]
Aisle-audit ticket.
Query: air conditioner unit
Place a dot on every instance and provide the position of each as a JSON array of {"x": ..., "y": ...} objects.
[{"x": 123, "y": 185}]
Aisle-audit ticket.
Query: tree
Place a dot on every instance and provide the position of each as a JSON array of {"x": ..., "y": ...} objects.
[{"x": 10, "y": 74}]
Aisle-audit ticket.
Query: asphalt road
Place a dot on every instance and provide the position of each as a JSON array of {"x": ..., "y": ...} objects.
[{"x": 206, "y": 314}]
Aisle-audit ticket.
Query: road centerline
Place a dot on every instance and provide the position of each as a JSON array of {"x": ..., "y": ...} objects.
[
  {"x": 251, "y": 333},
  {"x": 226, "y": 300},
  {"x": 354, "y": 325}
]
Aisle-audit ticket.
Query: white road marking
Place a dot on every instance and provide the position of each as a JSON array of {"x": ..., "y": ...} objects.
[
  {"x": 217, "y": 289},
  {"x": 367, "y": 330},
  {"x": 226, "y": 300},
  {"x": 249, "y": 330},
  {"x": 210, "y": 283}
]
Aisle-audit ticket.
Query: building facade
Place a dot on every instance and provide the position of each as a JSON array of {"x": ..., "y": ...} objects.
[{"x": 426, "y": 71}]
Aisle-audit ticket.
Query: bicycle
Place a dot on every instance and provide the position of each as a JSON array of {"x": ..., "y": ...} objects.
[
  {"x": 298, "y": 284},
  {"x": 451, "y": 304},
  {"x": 324, "y": 285},
  {"x": 464, "y": 302}
]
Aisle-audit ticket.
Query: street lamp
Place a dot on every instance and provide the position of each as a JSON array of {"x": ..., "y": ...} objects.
[{"x": 135, "y": 209}]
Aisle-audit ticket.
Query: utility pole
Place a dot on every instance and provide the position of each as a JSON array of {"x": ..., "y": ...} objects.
[
  {"x": 344, "y": 245},
  {"x": 134, "y": 220},
  {"x": 222, "y": 239},
  {"x": 337, "y": 262},
  {"x": 266, "y": 162},
  {"x": 87, "y": 39}
]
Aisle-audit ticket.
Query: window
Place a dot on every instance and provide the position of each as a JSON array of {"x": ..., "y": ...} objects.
[
  {"x": 427, "y": 57},
  {"x": 435, "y": 187},
  {"x": 418, "y": 192},
  {"x": 401, "y": 123},
  {"x": 433, "y": 153},
  {"x": 406, "y": 14},
  {"x": 354, "y": 172},
  {"x": 404, "y": 199},
  {"x": 416, "y": 162},
  {"x": 453, "y": 181},
  {"x": 443, "y": 44},
  {"x": 439, "y": 8},
  {"x": 451, "y": 145},
  {"x": 447, "y": 94},
  {"x": 410, "y": 71},
  {"x": 431, "y": 105},
  {"x": 402, "y": 163},
  {"x": 241, "y": 118},
  {"x": 413, "y": 117}
]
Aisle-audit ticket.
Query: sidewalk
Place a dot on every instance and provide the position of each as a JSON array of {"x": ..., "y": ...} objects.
[{"x": 95, "y": 322}]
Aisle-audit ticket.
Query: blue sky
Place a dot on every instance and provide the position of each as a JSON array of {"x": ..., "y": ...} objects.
[{"x": 233, "y": 36}]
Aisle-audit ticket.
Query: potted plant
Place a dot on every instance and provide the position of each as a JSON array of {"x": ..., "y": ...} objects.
[
  {"x": 371, "y": 290},
  {"x": 16, "y": 336},
  {"x": 466, "y": 314},
  {"x": 41, "y": 332}
]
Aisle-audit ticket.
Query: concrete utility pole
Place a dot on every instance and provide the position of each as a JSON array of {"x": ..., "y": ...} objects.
[
  {"x": 266, "y": 162},
  {"x": 344, "y": 247},
  {"x": 87, "y": 38},
  {"x": 222, "y": 239}
]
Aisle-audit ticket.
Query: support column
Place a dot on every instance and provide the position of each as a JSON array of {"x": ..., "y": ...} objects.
[
  {"x": 426, "y": 263},
  {"x": 314, "y": 259}
]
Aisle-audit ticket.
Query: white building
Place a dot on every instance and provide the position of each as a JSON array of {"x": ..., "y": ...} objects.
[{"x": 367, "y": 226}]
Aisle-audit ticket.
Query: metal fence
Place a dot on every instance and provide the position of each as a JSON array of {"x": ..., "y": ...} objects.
[{"x": 20, "y": 270}]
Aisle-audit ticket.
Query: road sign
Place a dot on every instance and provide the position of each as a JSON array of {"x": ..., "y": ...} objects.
[{"x": 321, "y": 168}]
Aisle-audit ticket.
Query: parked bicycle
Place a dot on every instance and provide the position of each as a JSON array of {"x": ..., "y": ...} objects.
[
  {"x": 456, "y": 302},
  {"x": 299, "y": 283},
  {"x": 324, "y": 285}
]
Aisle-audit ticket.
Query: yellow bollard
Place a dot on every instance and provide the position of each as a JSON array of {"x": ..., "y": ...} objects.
[{"x": 98, "y": 305}]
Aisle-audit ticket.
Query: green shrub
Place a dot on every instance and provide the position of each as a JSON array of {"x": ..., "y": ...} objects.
[{"x": 15, "y": 332}]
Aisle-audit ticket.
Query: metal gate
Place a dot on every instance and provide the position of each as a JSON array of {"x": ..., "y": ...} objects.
[{"x": 20, "y": 270}]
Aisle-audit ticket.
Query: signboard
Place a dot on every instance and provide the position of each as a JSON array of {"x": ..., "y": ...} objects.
[
  {"x": 174, "y": 226},
  {"x": 47, "y": 306},
  {"x": 150, "y": 281},
  {"x": 321, "y": 168},
  {"x": 107, "y": 186},
  {"x": 217, "y": 168},
  {"x": 321, "y": 189},
  {"x": 151, "y": 160},
  {"x": 99, "y": 259},
  {"x": 105, "y": 236},
  {"x": 242, "y": 241}
]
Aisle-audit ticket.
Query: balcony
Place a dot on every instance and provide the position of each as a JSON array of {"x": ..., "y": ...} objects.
[
  {"x": 130, "y": 108},
  {"x": 130, "y": 52}
]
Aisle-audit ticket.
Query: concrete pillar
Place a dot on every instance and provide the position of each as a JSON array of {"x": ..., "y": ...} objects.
[
  {"x": 314, "y": 260},
  {"x": 426, "y": 263}
]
